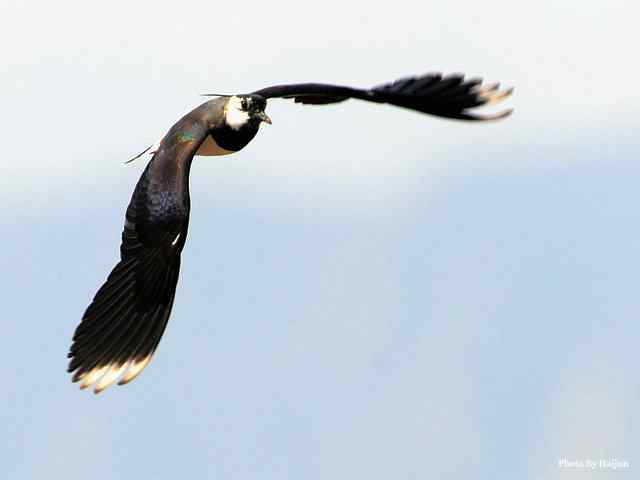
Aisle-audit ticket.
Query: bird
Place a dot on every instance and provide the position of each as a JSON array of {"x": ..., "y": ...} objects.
[{"x": 121, "y": 328}]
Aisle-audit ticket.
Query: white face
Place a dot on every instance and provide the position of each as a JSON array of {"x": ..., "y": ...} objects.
[{"x": 235, "y": 115}]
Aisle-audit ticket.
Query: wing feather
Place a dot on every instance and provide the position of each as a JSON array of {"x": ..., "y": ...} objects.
[
  {"x": 121, "y": 328},
  {"x": 450, "y": 96}
]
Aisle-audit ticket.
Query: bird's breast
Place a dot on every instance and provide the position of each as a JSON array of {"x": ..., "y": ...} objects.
[{"x": 210, "y": 148}]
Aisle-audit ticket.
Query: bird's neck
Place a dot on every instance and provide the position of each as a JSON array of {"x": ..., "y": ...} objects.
[
  {"x": 171, "y": 163},
  {"x": 206, "y": 130},
  {"x": 187, "y": 135}
]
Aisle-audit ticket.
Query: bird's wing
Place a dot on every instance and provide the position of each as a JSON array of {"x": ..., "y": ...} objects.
[
  {"x": 450, "y": 96},
  {"x": 122, "y": 326}
]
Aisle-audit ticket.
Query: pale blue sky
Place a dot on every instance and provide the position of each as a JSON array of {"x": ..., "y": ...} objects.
[{"x": 365, "y": 292}]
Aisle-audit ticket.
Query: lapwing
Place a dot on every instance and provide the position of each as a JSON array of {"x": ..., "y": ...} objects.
[{"x": 122, "y": 326}]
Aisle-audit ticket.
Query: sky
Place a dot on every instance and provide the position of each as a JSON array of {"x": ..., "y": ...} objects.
[{"x": 365, "y": 292}]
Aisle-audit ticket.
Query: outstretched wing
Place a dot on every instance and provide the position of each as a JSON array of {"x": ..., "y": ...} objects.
[
  {"x": 450, "y": 96},
  {"x": 122, "y": 326}
]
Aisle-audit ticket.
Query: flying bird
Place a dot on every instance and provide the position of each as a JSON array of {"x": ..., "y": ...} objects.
[{"x": 121, "y": 328}]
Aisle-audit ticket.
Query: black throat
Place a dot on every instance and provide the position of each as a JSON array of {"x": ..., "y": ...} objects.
[{"x": 235, "y": 139}]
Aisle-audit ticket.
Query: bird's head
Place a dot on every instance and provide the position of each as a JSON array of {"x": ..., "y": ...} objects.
[{"x": 245, "y": 111}]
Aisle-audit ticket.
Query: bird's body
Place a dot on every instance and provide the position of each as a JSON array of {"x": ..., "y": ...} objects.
[{"x": 121, "y": 328}]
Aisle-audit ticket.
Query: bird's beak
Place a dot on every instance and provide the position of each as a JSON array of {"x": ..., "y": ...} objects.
[{"x": 264, "y": 117}]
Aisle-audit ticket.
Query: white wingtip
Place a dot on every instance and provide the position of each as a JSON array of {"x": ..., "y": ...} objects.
[
  {"x": 92, "y": 375},
  {"x": 114, "y": 372},
  {"x": 135, "y": 369},
  {"x": 490, "y": 93}
]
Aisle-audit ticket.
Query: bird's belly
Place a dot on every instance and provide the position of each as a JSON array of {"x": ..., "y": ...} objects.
[{"x": 210, "y": 148}]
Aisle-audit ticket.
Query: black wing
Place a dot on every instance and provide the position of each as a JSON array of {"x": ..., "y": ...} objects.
[
  {"x": 450, "y": 96},
  {"x": 122, "y": 326}
]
